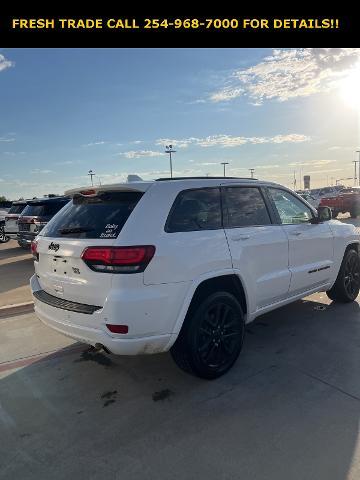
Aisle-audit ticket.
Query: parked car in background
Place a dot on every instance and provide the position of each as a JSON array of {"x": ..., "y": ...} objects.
[
  {"x": 183, "y": 264},
  {"x": 309, "y": 198},
  {"x": 12, "y": 217},
  {"x": 319, "y": 193},
  {"x": 3, "y": 211},
  {"x": 35, "y": 216},
  {"x": 347, "y": 200}
]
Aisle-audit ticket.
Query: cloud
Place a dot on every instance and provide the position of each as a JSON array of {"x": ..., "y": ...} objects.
[
  {"x": 4, "y": 63},
  {"x": 228, "y": 93},
  {"x": 176, "y": 143},
  {"x": 37, "y": 171},
  {"x": 226, "y": 141},
  {"x": 313, "y": 163},
  {"x": 289, "y": 73},
  {"x": 7, "y": 139},
  {"x": 69, "y": 162},
  {"x": 265, "y": 167},
  {"x": 13, "y": 154},
  {"x": 92, "y": 144},
  {"x": 141, "y": 153}
]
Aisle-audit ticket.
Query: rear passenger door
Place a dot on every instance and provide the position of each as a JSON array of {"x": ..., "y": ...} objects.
[
  {"x": 193, "y": 242},
  {"x": 259, "y": 249}
]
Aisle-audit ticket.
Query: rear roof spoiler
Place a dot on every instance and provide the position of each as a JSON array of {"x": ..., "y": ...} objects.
[{"x": 117, "y": 187}]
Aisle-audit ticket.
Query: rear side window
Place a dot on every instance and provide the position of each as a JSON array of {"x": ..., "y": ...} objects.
[
  {"x": 245, "y": 207},
  {"x": 44, "y": 209},
  {"x": 195, "y": 210},
  {"x": 17, "y": 208},
  {"x": 102, "y": 216}
]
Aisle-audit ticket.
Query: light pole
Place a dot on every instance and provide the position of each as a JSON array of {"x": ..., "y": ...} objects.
[
  {"x": 252, "y": 170},
  {"x": 224, "y": 165},
  {"x": 169, "y": 149},
  {"x": 358, "y": 151},
  {"x": 355, "y": 177},
  {"x": 91, "y": 174}
]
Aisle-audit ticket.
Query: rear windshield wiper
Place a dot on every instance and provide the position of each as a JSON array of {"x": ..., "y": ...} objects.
[{"x": 67, "y": 230}]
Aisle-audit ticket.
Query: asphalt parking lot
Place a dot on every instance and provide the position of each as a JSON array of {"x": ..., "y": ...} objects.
[
  {"x": 16, "y": 267},
  {"x": 289, "y": 409}
]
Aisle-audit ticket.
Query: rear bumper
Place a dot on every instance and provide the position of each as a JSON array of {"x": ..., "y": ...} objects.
[
  {"x": 91, "y": 329},
  {"x": 26, "y": 238},
  {"x": 12, "y": 235}
]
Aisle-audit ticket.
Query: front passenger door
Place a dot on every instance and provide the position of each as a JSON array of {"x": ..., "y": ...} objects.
[{"x": 311, "y": 250}]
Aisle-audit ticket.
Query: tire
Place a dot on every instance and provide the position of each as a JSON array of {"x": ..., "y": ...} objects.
[
  {"x": 354, "y": 213},
  {"x": 347, "y": 285},
  {"x": 211, "y": 338},
  {"x": 3, "y": 237}
]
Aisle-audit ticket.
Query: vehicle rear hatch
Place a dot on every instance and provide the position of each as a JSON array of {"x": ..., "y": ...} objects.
[
  {"x": 11, "y": 223},
  {"x": 11, "y": 218},
  {"x": 38, "y": 212},
  {"x": 92, "y": 218}
]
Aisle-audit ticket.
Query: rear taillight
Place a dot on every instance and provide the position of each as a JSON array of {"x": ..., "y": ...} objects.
[
  {"x": 34, "y": 250},
  {"x": 118, "y": 259}
]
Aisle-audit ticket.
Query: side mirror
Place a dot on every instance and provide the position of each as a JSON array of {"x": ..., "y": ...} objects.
[{"x": 323, "y": 215}]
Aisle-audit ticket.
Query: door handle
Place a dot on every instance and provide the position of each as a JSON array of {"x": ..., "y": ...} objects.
[
  {"x": 237, "y": 238},
  {"x": 296, "y": 234}
]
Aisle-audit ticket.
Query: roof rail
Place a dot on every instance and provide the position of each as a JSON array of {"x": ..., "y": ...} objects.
[{"x": 203, "y": 178}]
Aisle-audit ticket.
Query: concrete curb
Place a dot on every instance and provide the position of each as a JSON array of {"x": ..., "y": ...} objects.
[{"x": 16, "y": 309}]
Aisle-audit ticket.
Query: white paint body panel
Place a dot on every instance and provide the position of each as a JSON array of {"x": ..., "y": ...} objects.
[{"x": 272, "y": 263}]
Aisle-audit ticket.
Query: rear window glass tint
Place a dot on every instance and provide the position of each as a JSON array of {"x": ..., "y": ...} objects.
[
  {"x": 46, "y": 209},
  {"x": 245, "y": 207},
  {"x": 102, "y": 216},
  {"x": 17, "y": 208},
  {"x": 195, "y": 210}
]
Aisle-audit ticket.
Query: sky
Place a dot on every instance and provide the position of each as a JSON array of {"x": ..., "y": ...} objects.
[{"x": 283, "y": 112}]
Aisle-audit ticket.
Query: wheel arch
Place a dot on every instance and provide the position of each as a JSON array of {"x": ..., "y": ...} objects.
[
  {"x": 352, "y": 245},
  {"x": 224, "y": 281}
]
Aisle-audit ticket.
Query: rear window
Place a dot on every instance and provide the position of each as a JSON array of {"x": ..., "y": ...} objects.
[
  {"x": 44, "y": 209},
  {"x": 195, "y": 210},
  {"x": 17, "y": 208},
  {"x": 102, "y": 216}
]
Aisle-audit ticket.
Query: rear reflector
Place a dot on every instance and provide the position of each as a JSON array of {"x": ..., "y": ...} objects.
[
  {"x": 118, "y": 259},
  {"x": 118, "y": 328}
]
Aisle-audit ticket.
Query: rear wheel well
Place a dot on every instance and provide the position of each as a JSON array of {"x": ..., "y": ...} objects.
[
  {"x": 352, "y": 246},
  {"x": 223, "y": 283}
]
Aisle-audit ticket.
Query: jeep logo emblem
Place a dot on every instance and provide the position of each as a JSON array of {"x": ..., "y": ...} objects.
[{"x": 54, "y": 246}]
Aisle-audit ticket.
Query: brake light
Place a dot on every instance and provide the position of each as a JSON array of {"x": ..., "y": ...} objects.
[
  {"x": 88, "y": 193},
  {"x": 118, "y": 259},
  {"x": 34, "y": 250}
]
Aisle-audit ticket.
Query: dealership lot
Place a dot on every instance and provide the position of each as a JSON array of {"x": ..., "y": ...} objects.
[
  {"x": 16, "y": 267},
  {"x": 289, "y": 409}
]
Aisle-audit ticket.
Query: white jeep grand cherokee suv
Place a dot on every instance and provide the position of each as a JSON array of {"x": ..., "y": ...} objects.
[{"x": 184, "y": 264}]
